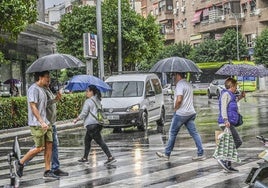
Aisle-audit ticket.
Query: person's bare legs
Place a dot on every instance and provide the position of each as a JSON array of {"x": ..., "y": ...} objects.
[
  {"x": 30, "y": 154},
  {"x": 47, "y": 155}
]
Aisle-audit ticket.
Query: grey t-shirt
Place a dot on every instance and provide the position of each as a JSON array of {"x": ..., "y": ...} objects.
[
  {"x": 37, "y": 95},
  {"x": 89, "y": 106},
  {"x": 185, "y": 89}
]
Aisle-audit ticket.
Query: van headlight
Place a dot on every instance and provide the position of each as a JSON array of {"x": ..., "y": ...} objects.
[{"x": 133, "y": 108}]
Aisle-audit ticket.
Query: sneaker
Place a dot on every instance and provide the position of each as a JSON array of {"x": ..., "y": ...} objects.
[
  {"x": 110, "y": 161},
  {"x": 223, "y": 165},
  {"x": 199, "y": 158},
  {"x": 49, "y": 175},
  {"x": 162, "y": 155},
  {"x": 232, "y": 169},
  {"x": 18, "y": 168},
  {"x": 59, "y": 172}
]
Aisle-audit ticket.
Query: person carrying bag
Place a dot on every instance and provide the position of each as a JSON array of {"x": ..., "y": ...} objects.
[
  {"x": 228, "y": 119},
  {"x": 92, "y": 124}
]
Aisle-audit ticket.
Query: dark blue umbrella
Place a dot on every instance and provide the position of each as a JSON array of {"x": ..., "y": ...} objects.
[{"x": 81, "y": 83}]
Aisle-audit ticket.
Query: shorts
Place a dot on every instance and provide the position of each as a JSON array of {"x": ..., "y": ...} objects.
[{"x": 40, "y": 136}]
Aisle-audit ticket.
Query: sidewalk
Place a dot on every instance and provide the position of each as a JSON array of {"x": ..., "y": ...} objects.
[{"x": 9, "y": 134}]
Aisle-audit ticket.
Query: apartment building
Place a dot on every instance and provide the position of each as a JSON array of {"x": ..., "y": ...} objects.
[{"x": 197, "y": 20}]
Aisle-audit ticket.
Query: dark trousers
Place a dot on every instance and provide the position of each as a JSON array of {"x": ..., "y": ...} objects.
[{"x": 94, "y": 132}]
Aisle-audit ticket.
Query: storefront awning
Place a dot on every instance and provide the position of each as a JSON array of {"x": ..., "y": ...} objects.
[{"x": 197, "y": 16}]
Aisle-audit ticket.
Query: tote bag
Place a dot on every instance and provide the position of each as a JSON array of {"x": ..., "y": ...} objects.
[{"x": 226, "y": 149}]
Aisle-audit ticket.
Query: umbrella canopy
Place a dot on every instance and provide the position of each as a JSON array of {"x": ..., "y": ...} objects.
[
  {"x": 242, "y": 70},
  {"x": 81, "y": 83},
  {"x": 12, "y": 81},
  {"x": 175, "y": 64},
  {"x": 55, "y": 62}
]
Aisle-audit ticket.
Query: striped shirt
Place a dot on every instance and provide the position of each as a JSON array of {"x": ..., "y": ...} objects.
[{"x": 184, "y": 89}]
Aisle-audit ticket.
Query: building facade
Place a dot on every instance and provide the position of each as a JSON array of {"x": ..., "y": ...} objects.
[{"x": 196, "y": 20}]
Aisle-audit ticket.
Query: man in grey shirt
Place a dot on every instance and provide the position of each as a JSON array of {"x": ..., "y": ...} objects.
[
  {"x": 39, "y": 125},
  {"x": 184, "y": 115}
]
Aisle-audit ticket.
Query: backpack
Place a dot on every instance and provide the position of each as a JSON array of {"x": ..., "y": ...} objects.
[{"x": 100, "y": 117}]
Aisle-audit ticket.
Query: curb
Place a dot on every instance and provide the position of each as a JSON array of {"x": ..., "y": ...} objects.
[{"x": 9, "y": 134}]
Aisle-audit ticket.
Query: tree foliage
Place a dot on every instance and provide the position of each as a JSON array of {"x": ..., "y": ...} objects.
[
  {"x": 15, "y": 15},
  {"x": 206, "y": 52},
  {"x": 181, "y": 49},
  {"x": 140, "y": 36},
  {"x": 261, "y": 48},
  {"x": 227, "y": 48}
]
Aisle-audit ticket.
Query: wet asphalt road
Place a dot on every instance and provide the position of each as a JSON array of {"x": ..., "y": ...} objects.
[{"x": 137, "y": 164}]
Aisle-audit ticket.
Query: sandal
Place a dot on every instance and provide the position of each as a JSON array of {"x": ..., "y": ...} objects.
[{"x": 83, "y": 160}]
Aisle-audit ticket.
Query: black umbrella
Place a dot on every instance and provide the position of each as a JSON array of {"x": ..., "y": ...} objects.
[
  {"x": 55, "y": 62},
  {"x": 175, "y": 64}
]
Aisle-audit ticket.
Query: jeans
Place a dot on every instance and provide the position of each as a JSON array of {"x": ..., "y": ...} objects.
[
  {"x": 55, "y": 163},
  {"x": 95, "y": 134},
  {"x": 176, "y": 124}
]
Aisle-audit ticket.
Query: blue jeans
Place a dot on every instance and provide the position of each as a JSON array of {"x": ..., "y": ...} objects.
[
  {"x": 176, "y": 124},
  {"x": 55, "y": 164}
]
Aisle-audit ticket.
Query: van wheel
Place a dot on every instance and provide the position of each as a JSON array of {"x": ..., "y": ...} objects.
[
  {"x": 144, "y": 122},
  {"x": 161, "y": 122}
]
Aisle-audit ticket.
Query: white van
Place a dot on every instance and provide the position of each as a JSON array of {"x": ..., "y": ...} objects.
[{"x": 135, "y": 100}]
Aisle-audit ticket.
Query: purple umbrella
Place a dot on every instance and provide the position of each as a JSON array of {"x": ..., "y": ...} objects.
[
  {"x": 12, "y": 81},
  {"x": 242, "y": 70}
]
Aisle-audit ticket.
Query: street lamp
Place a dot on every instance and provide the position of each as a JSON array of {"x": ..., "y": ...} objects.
[{"x": 237, "y": 38}]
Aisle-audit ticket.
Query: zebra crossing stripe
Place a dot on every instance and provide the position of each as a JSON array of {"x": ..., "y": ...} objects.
[{"x": 215, "y": 178}]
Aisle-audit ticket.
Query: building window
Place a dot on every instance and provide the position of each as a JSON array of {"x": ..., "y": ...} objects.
[{"x": 250, "y": 39}]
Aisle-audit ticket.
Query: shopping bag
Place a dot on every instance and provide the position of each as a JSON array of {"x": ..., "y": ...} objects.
[
  {"x": 226, "y": 149},
  {"x": 218, "y": 135}
]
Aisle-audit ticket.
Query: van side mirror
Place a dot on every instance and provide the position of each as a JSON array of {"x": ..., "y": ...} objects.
[{"x": 150, "y": 93}]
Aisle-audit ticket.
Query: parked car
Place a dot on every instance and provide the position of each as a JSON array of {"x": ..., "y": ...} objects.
[
  {"x": 216, "y": 86},
  {"x": 135, "y": 100}
]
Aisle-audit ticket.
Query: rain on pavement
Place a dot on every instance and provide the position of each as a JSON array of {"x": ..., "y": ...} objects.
[{"x": 138, "y": 166}]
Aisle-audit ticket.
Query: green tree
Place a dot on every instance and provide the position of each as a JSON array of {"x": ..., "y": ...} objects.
[
  {"x": 181, "y": 49},
  {"x": 261, "y": 48},
  {"x": 140, "y": 36},
  {"x": 206, "y": 52},
  {"x": 227, "y": 48},
  {"x": 15, "y": 15}
]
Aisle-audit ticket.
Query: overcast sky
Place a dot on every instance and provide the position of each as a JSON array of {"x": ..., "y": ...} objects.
[{"x": 50, "y": 3}]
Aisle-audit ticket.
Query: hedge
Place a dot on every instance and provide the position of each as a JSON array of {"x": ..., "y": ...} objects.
[{"x": 14, "y": 112}]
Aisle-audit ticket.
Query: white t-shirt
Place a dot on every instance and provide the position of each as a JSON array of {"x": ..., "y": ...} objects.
[
  {"x": 37, "y": 95},
  {"x": 185, "y": 89}
]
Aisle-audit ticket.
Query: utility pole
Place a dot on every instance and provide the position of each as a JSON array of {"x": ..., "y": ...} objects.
[
  {"x": 119, "y": 39},
  {"x": 100, "y": 39}
]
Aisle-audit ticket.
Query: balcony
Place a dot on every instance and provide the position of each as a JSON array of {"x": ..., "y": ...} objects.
[
  {"x": 165, "y": 15},
  {"x": 220, "y": 23},
  {"x": 169, "y": 36},
  {"x": 264, "y": 15}
]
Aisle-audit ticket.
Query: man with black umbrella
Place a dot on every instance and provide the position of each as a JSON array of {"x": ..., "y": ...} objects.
[
  {"x": 184, "y": 115},
  {"x": 39, "y": 125}
]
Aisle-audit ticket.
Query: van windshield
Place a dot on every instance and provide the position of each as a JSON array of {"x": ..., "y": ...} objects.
[{"x": 125, "y": 89}]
